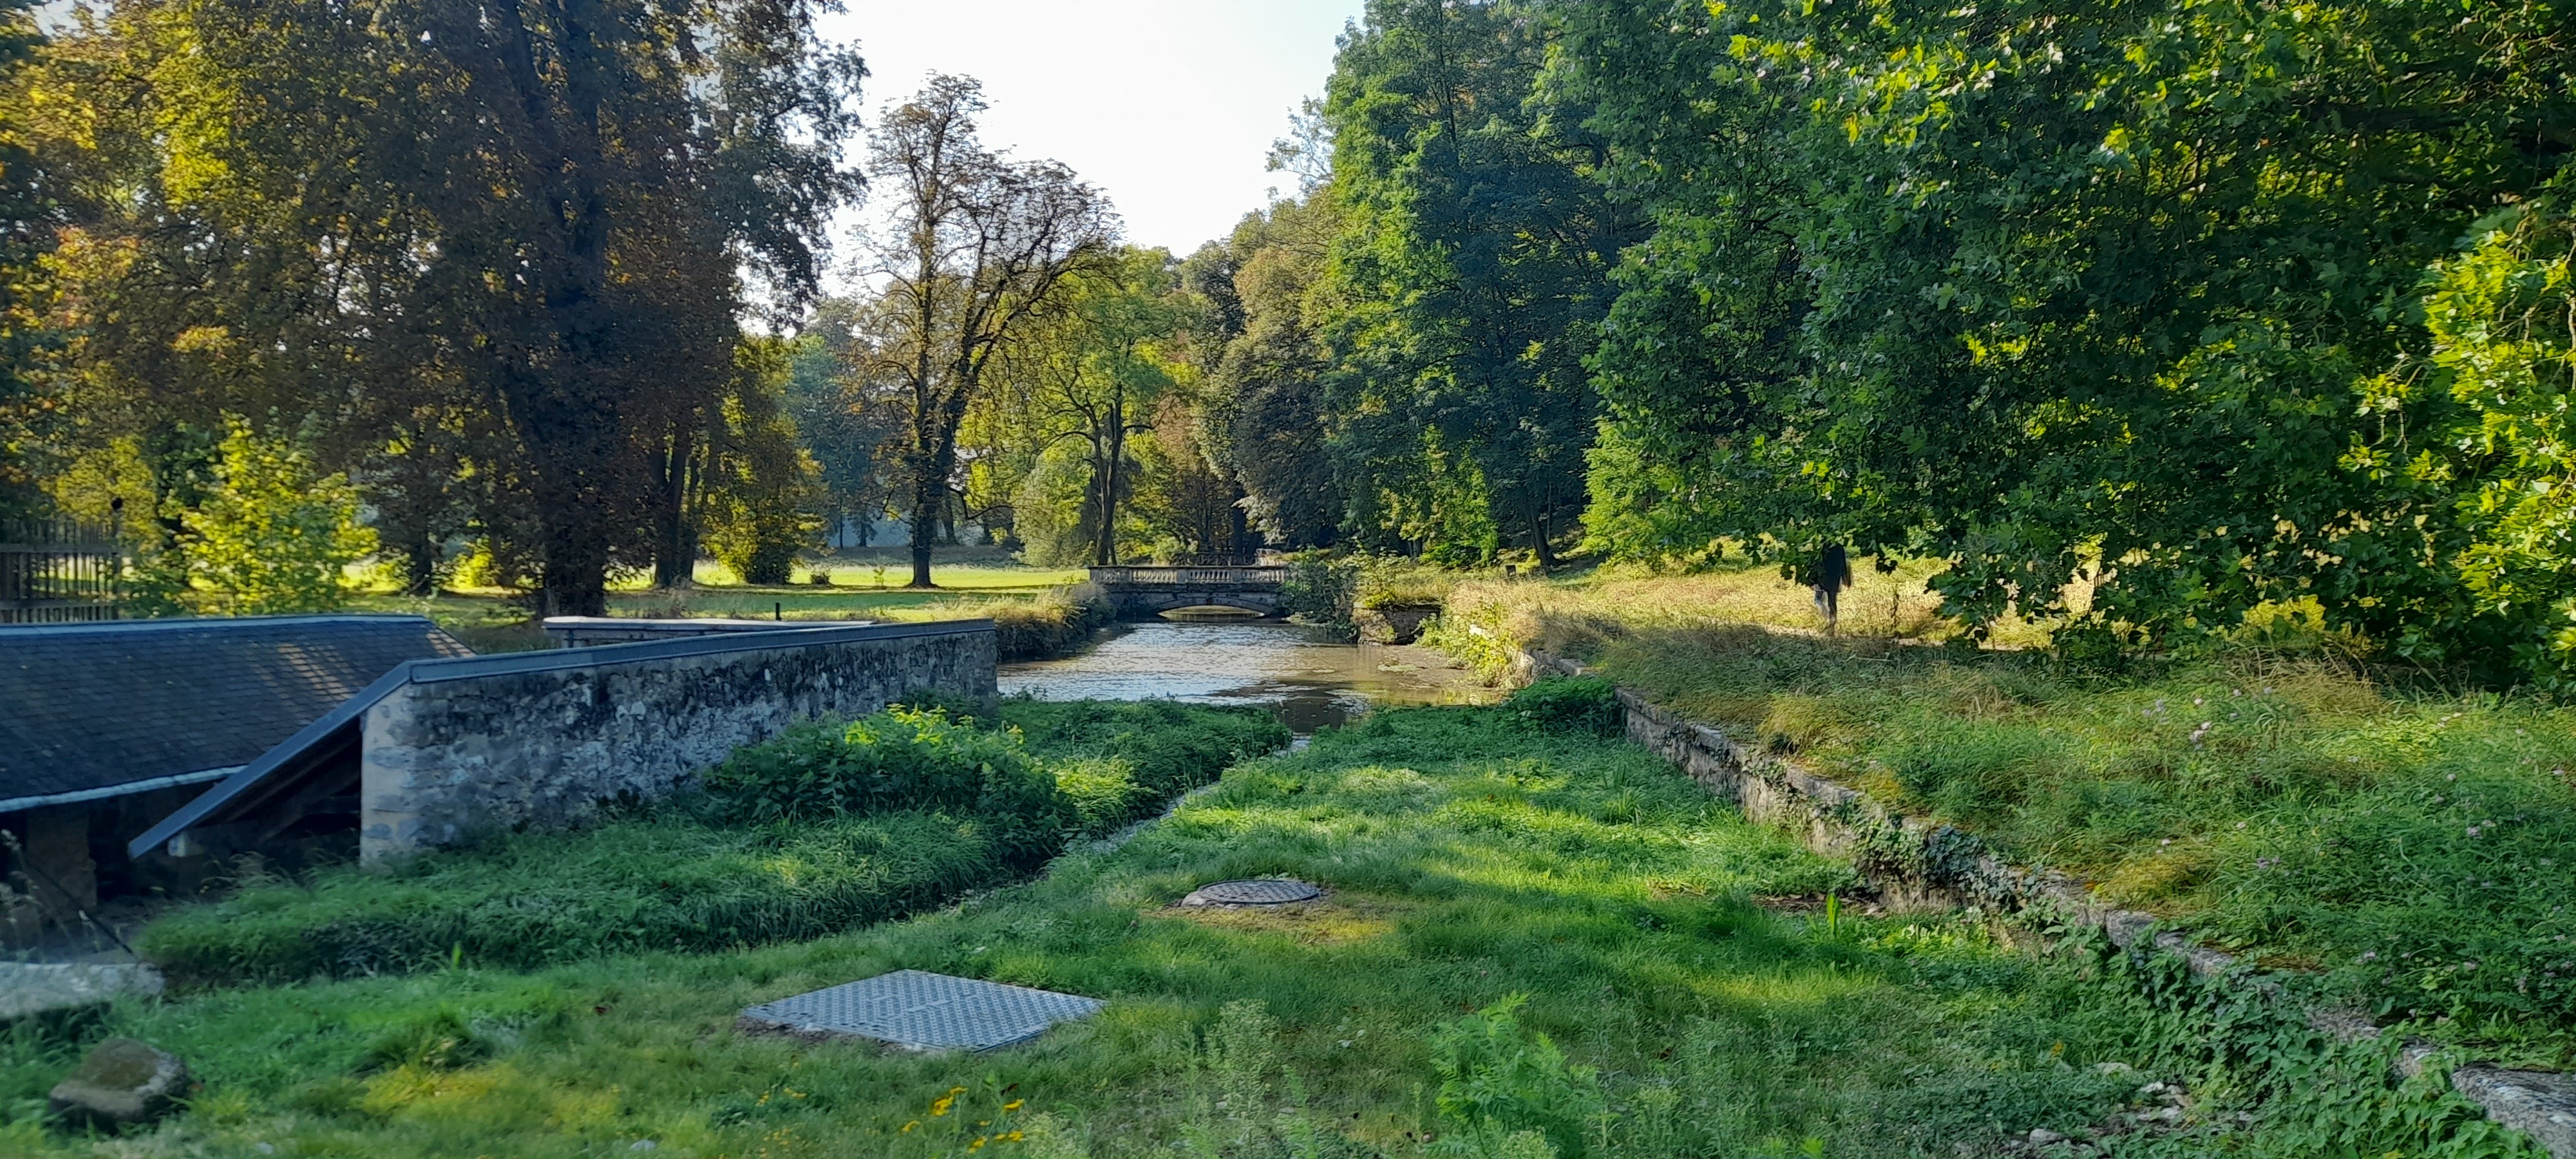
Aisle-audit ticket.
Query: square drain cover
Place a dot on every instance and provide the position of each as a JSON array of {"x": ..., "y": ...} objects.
[{"x": 918, "y": 1010}]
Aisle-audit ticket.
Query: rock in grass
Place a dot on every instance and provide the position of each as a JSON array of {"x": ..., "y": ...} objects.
[{"x": 124, "y": 1080}]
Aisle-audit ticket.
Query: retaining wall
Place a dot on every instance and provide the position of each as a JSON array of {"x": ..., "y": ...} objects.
[
  {"x": 1915, "y": 863},
  {"x": 546, "y": 738}
]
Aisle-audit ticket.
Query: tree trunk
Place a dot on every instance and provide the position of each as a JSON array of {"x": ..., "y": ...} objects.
[
  {"x": 1104, "y": 550},
  {"x": 929, "y": 497},
  {"x": 674, "y": 557},
  {"x": 573, "y": 581},
  {"x": 1539, "y": 539},
  {"x": 420, "y": 565}
]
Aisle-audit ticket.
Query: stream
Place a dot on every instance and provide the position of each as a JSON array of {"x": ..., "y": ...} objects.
[{"x": 1303, "y": 675}]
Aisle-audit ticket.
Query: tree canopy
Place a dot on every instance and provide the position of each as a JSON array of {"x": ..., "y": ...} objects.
[{"x": 2135, "y": 316}]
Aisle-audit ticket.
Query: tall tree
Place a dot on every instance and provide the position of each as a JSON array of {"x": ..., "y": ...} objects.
[
  {"x": 1092, "y": 374},
  {"x": 1470, "y": 275},
  {"x": 1265, "y": 414},
  {"x": 27, "y": 222},
  {"x": 978, "y": 246},
  {"x": 534, "y": 209},
  {"x": 2051, "y": 291},
  {"x": 845, "y": 436}
]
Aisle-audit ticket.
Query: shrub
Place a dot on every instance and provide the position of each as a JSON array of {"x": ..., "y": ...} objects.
[
  {"x": 273, "y": 534},
  {"x": 1124, "y": 759},
  {"x": 1586, "y": 705},
  {"x": 824, "y": 829},
  {"x": 530, "y": 899},
  {"x": 897, "y": 760},
  {"x": 1498, "y": 1083},
  {"x": 1320, "y": 590}
]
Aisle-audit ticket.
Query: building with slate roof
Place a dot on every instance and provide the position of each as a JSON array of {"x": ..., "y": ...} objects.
[{"x": 106, "y": 728}]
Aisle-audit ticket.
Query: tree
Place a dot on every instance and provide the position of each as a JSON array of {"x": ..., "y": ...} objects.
[
  {"x": 844, "y": 436},
  {"x": 979, "y": 246},
  {"x": 389, "y": 214},
  {"x": 27, "y": 219},
  {"x": 758, "y": 484},
  {"x": 1266, "y": 410},
  {"x": 2056, "y": 291},
  {"x": 272, "y": 534},
  {"x": 1092, "y": 373},
  {"x": 2502, "y": 315},
  {"x": 1468, "y": 278}
]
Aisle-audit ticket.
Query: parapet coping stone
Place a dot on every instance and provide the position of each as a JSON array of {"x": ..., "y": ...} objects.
[{"x": 1840, "y": 820}]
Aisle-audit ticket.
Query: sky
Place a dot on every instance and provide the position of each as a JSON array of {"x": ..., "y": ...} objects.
[{"x": 1168, "y": 105}]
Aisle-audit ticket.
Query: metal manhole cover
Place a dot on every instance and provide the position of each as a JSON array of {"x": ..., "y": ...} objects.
[
  {"x": 1262, "y": 891},
  {"x": 918, "y": 1010}
]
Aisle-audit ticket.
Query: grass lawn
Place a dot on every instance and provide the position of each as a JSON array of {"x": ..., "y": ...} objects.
[
  {"x": 977, "y": 584},
  {"x": 1535, "y": 944},
  {"x": 2411, "y": 843}
]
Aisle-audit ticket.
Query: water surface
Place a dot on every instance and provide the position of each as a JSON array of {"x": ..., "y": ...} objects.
[{"x": 1310, "y": 680}]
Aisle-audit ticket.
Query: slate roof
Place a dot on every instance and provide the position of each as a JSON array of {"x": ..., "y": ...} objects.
[
  {"x": 89, "y": 708},
  {"x": 246, "y": 791}
]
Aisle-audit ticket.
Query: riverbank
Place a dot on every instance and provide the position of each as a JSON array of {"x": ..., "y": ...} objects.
[
  {"x": 2405, "y": 843},
  {"x": 1535, "y": 941}
]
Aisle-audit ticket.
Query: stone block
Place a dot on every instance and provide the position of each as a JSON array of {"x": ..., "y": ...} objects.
[{"x": 124, "y": 1080}]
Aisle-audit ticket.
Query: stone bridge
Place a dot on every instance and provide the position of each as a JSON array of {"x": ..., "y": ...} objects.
[{"x": 1146, "y": 591}]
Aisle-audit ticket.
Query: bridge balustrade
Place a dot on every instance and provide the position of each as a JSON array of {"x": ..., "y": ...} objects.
[{"x": 1187, "y": 576}]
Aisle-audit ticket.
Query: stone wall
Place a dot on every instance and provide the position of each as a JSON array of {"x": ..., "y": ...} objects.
[{"x": 545, "y": 738}]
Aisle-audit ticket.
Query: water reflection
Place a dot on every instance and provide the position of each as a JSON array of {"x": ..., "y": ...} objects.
[{"x": 1310, "y": 680}]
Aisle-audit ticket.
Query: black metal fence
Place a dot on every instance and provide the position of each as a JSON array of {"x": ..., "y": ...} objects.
[{"x": 56, "y": 570}]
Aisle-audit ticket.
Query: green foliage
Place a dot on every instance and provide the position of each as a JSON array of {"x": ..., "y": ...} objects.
[
  {"x": 1083, "y": 388},
  {"x": 2503, "y": 320},
  {"x": 1498, "y": 1081},
  {"x": 1466, "y": 282},
  {"x": 1267, "y": 416},
  {"x": 271, "y": 534},
  {"x": 1469, "y": 860},
  {"x": 26, "y": 204},
  {"x": 2053, "y": 292},
  {"x": 2410, "y": 845},
  {"x": 824, "y": 830},
  {"x": 1581, "y": 705},
  {"x": 1320, "y": 589},
  {"x": 1055, "y": 623},
  {"x": 901, "y": 759},
  {"x": 529, "y": 899},
  {"x": 500, "y": 265},
  {"x": 1131, "y": 757},
  {"x": 2251, "y": 1047},
  {"x": 760, "y": 485}
]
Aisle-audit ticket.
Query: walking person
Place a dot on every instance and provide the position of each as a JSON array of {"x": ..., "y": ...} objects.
[{"x": 1831, "y": 575}]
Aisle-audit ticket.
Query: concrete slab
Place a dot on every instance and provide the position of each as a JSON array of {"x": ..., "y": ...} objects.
[{"x": 38, "y": 987}]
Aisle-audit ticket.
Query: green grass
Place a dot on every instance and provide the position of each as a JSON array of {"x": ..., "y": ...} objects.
[
  {"x": 1471, "y": 859},
  {"x": 688, "y": 874},
  {"x": 2411, "y": 844},
  {"x": 981, "y": 584}
]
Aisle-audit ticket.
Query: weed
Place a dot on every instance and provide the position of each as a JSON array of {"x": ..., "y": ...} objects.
[
  {"x": 829, "y": 828},
  {"x": 2413, "y": 844},
  {"x": 1677, "y": 1018}
]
